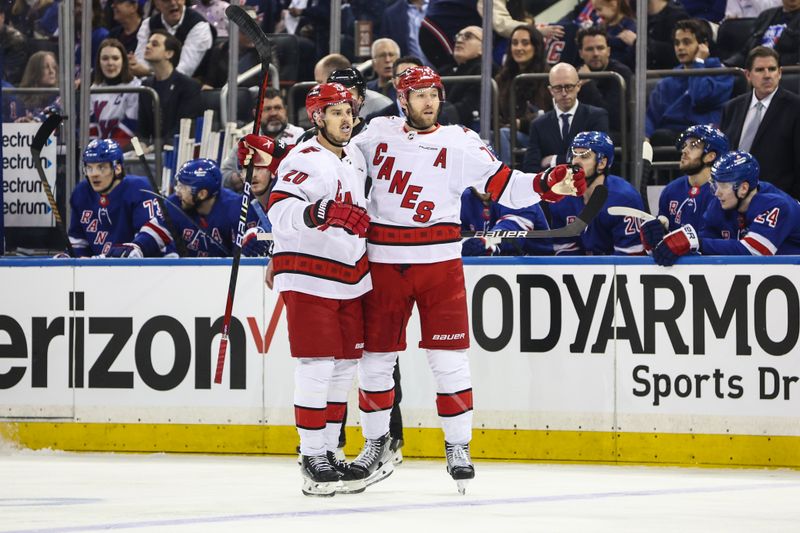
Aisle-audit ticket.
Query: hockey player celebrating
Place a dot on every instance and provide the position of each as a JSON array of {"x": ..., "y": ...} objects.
[
  {"x": 684, "y": 200},
  {"x": 750, "y": 218},
  {"x": 419, "y": 170},
  {"x": 319, "y": 263},
  {"x": 593, "y": 151},
  {"x": 112, "y": 214},
  {"x": 206, "y": 215}
]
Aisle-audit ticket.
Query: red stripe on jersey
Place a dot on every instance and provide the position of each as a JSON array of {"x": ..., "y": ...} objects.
[
  {"x": 400, "y": 236},
  {"x": 310, "y": 417},
  {"x": 336, "y": 411},
  {"x": 277, "y": 196},
  {"x": 496, "y": 184},
  {"x": 370, "y": 402},
  {"x": 454, "y": 404},
  {"x": 320, "y": 267},
  {"x": 165, "y": 236},
  {"x": 760, "y": 248}
]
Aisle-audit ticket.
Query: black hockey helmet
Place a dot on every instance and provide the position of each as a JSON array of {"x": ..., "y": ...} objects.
[{"x": 350, "y": 77}]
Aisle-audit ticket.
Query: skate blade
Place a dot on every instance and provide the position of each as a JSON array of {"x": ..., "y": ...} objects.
[
  {"x": 398, "y": 458},
  {"x": 380, "y": 474},
  {"x": 356, "y": 486},
  {"x": 462, "y": 486},
  {"x": 320, "y": 489}
]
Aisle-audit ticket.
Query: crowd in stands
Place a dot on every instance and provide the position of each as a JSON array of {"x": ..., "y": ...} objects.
[{"x": 180, "y": 49}]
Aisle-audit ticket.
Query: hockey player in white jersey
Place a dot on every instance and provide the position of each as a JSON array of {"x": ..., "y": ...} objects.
[
  {"x": 320, "y": 267},
  {"x": 419, "y": 170}
]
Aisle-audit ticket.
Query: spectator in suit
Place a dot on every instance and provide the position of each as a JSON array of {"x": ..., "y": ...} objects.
[
  {"x": 384, "y": 53},
  {"x": 401, "y": 22},
  {"x": 127, "y": 14},
  {"x": 777, "y": 28},
  {"x": 775, "y": 140},
  {"x": 190, "y": 28},
  {"x": 179, "y": 94},
  {"x": 552, "y": 133},
  {"x": 596, "y": 55},
  {"x": 679, "y": 102},
  {"x": 662, "y": 15}
]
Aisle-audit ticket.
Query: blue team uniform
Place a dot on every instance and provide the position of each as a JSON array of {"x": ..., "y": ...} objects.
[
  {"x": 219, "y": 227},
  {"x": 771, "y": 226},
  {"x": 476, "y": 216},
  {"x": 606, "y": 234},
  {"x": 684, "y": 204},
  {"x": 125, "y": 215}
]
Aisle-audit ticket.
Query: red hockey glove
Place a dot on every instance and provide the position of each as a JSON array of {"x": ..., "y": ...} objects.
[
  {"x": 676, "y": 243},
  {"x": 559, "y": 181},
  {"x": 264, "y": 151},
  {"x": 324, "y": 213}
]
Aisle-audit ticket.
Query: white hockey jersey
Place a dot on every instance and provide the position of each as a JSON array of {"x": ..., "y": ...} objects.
[
  {"x": 417, "y": 180},
  {"x": 114, "y": 115},
  {"x": 330, "y": 263}
]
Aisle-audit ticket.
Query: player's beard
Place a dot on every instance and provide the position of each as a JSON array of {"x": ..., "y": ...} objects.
[
  {"x": 418, "y": 121},
  {"x": 693, "y": 167}
]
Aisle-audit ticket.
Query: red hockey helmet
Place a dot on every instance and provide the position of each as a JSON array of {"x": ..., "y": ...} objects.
[
  {"x": 416, "y": 78},
  {"x": 327, "y": 94}
]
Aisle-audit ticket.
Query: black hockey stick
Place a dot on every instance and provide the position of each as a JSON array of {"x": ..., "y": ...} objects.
[
  {"x": 574, "y": 228},
  {"x": 188, "y": 219},
  {"x": 248, "y": 26},
  {"x": 179, "y": 244},
  {"x": 44, "y": 132}
]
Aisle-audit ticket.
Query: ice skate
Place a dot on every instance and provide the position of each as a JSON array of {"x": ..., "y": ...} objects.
[
  {"x": 459, "y": 465},
  {"x": 396, "y": 445},
  {"x": 374, "y": 463},
  {"x": 351, "y": 483},
  {"x": 320, "y": 478}
]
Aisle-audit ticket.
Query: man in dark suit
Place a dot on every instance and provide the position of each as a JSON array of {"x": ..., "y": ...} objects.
[
  {"x": 552, "y": 133},
  {"x": 766, "y": 122},
  {"x": 179, "y": 95}
]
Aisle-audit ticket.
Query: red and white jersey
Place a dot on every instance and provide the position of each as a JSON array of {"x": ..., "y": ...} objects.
[
  {"x": 330, "y": 263},
  {"x": 114, "y": 115},
  {"x": 417, "y": 181}
]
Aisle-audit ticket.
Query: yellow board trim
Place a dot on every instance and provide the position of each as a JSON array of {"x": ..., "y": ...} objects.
[{"x": 526, "y": 445}]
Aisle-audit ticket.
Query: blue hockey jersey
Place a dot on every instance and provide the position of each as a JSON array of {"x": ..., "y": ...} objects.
[
  {"x": 771, "y": 226},
  {"x": 684, "y": 204},
  {"x": 607, "y": 234},
  {"x": 475, "y": 216},
  {"x": 127, "y": 214}
]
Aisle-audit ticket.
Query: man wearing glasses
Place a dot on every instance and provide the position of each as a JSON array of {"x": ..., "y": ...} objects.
[
  {"x": 551, "y": 134},
  {"x": 466, "y": 96}
]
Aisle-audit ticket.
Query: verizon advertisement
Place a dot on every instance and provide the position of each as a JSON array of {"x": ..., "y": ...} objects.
[{"x": 591, "y": 346}]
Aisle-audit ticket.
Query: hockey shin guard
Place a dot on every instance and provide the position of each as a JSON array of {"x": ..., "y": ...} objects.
[
  {"x": 312, "y": 378},
  {"x": 344, "y": 370},
  {"x": 376, "y": 392},
  {"x": 453, "y": 393}
]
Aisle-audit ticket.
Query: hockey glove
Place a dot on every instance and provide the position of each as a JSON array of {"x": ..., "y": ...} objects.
[
  {"x": 559, "y": 181},
  {"x": 652, "y": 232},
  {"x": 265, "y": 151},
  {"x": 477, "y": 246},
  {"x": 251, "y": 246},
  {"x": 127, "y": 249},
  {"x": 326, "y": 213},
  {"x": 675, "y": 244}
]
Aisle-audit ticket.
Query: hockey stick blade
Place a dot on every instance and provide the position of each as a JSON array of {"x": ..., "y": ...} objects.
[
  {"x": 250, "y": 28},
  {"x": 44, "y": 132},
  {"x": 622, "y": 211},
  {"x": 48, "y": 127},
  {"x": 574, "y": 228}
]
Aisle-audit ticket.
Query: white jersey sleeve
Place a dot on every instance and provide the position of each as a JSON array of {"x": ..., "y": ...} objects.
[
  {"x": 417, "y": 181},
  {"x": 330, "y": 263}
]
